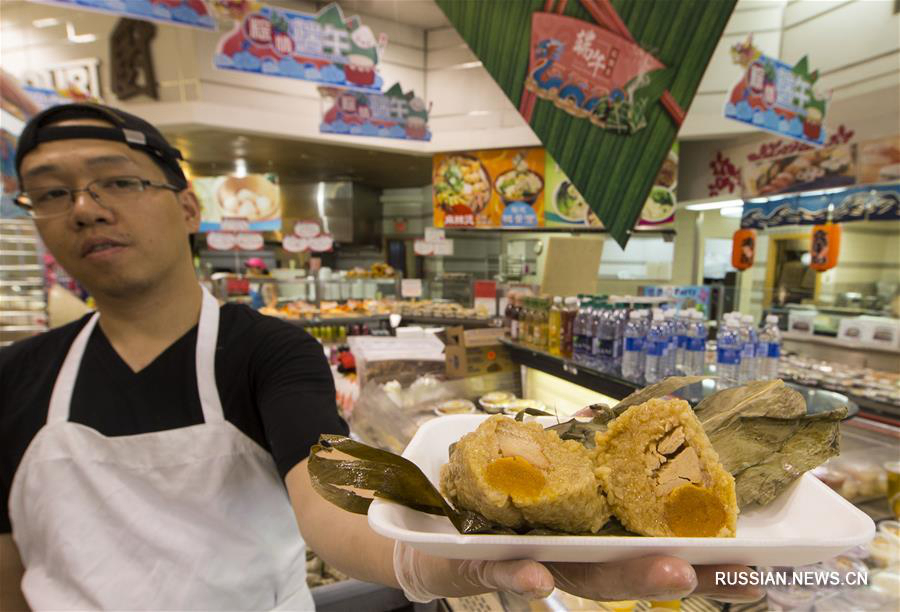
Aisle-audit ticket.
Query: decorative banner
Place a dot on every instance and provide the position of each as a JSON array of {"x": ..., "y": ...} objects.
[
  {"x": 307, "y": 236},
  {"x": 324, "y": 47},
  {"x": 255, "y": 197},
  {"x": 879, "y": 160},
  {"x": 393, "y": 114},
  {"x": 825, "y": 246},
  {"x": 192, "y": 13},
  {"x": 489, "y": 189},
  {"x": 872, "y": 202},
  {"x": 810, "y": 170},
  {"x": 776, "y": 96},
  {"x": 681, "y": 36},
  {"x": 589, "y": 72},
  {"x": 743, "y": 249}
]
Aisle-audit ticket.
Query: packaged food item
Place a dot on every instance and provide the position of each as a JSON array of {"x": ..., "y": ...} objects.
[
  {"x": 884, "y": 550},
  {"x": 493, "y": 402},
  {"x": 454, "y": 406},
  {"x": 890, "y": 528}
]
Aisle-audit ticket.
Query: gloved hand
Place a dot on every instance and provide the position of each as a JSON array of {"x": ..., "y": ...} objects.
[{"x": 424, "y": 578}]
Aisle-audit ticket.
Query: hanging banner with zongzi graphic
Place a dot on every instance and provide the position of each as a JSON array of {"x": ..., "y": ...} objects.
[
  {"x": 602, "y": 83},
  {"x": 324, "y": 47},
  {"x": 191, "y": 13},
  {"x": 393, "y": 114},
  {"x": 777, "y": 97}
]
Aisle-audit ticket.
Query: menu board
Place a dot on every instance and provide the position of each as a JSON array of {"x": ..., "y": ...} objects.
[
  {"x": 497, "y": 188},
  {"x": 564, "y": 207},
  {"x": 255, "y": 197}
]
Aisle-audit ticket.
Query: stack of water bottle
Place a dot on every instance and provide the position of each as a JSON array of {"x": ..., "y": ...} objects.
[{"x": 745, "y": 354}]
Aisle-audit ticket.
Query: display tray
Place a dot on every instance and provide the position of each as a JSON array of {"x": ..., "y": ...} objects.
[{"x": 806, "y": 524}]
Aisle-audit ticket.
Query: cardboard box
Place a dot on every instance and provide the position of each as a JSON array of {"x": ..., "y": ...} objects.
[{"x": 475, "y": 352}]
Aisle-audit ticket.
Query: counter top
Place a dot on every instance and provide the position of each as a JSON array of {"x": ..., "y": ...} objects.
[{"x": 837, "y": 342}]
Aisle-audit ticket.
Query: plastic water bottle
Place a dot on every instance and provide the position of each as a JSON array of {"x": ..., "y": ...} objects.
[
  {"x": 580, "y": 330},
  {"x": 771, "y": 338},
  {"x": 682, "y": 320},
  {"x": 607, "y": 339},
  {"x": 633, "y": 348},
  {"x": 751, "y": 369},
  {"x": 672, "y": 344},
  {"x": 655, "y": 348},
  {"x": 728, "y": 358},
  {"x": 620, "y": 320},
  {"x": 695, "y": 345}
]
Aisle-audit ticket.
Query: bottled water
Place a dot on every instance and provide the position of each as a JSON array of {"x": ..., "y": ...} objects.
[
  {"x": 655, "y": 347},
  {"x": 771, "y": 338},
  {"x": 751, "y": 370},
  {"x": 607, "y": 339},
  {"x": 581, "y": 351},
  {"x": 728, "y": 358},
  {"x": 748, "y": 350},
  {"x": 633, "y": 348},
  {"x": 695, "y": 345},
  {"x": 597, "y": 310},
  {"x": 682, "y": 330},
  {"x": 695, "y": 352},
  {"x": 621, "y": 320}
]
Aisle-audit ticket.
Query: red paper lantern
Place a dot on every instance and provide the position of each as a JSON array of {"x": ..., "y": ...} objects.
[
  {"x": 825, "y": 246},
  {"x": 743, "y": 248}
]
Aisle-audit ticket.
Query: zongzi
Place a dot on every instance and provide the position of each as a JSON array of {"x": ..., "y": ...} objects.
[
  {"x": 662, "y": 476},
  {"x": 523, "y": 476}
]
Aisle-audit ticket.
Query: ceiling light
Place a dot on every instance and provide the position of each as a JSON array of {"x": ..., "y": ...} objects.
[
  {"x": 240, "y": 168},
  {"x": 465, "y": 66},
  {"x": 732, "y": 212},
  {"x": 478, "y": 113},
  {"x": 47, "y": 22},
  {"x": 78, "y": 38},
  {"x": 715, "y": 205}
]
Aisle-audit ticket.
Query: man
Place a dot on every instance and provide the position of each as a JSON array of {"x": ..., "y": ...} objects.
[{"x": 154, "y": 454}]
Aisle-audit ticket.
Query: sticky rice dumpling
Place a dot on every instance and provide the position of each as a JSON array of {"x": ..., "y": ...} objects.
[
  {"x": 662, "y": 476},
  {"x": 522, "y": 476}
]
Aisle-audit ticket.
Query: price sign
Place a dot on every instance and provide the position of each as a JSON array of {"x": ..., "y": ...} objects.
[
  {"x": 421, "y": 247},
  {"x": 434, "y": 234},
  {"x": 294, "y": 244},
  {"x": 320, "y": 244},
  {"x": 221, "y": 241},
  {"x": 411, "y": 287},
  {"x": 250, "y": 241},
  {"x": 307, "y": 229},
  {"x": 443, "y": 248}
]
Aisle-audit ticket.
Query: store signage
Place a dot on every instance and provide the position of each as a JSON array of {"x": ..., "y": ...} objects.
[
  {"x": 587, "y": 71},
  {"x": 824, "y": 247},
  {"x": 777, "y": 97},
  {"x": 191, "y": 13},
  {"x": 75, "y": 80},
  {"x": 594, "y": 84},
  {"x": 324, "y": 47},
  {"x": 869, "y": 202},
  {"x": 254, "y": 197},
  {"x": 684, "y": 297},
  {"x": 435, "y": 243},
  {"x": 824, "y": 168},
  {"x": 743, "y": 248},
  {"x": 393, "y": 114},
  {"x": 498, "y": 188},
  {"x": 307, "y": 236},
  {"x": 491, "y": 189}
]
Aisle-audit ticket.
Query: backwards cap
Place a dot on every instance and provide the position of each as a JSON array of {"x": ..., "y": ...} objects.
[{"x": 127, "y": 128}]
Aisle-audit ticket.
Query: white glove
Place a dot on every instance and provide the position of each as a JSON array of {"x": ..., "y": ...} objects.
[{"x": 425, "y": 578}]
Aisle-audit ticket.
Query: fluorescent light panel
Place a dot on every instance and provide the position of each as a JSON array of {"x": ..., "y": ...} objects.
[{"x": 715, "y": 205}]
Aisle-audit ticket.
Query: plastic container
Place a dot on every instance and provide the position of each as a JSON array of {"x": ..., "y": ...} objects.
[
  {"x": 748, "y": 370},
  {"x": 770, "y": 337},
  {"x": 655, "y": 350},
  {"x": 633, "y": 349}
]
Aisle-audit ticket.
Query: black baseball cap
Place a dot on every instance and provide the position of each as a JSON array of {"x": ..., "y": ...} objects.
[{"x": 127, "y": 128}]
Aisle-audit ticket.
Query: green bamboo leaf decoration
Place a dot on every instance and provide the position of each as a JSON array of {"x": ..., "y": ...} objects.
[{"x": 613, "y": 171}]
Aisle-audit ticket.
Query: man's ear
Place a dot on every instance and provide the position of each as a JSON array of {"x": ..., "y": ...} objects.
[{"x": 190, "y": 205}]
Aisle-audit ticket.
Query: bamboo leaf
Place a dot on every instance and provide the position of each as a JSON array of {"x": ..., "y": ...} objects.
[{"x": 660, "y": 389}]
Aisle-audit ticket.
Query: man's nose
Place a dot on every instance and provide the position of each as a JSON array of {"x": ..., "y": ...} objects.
[{"x": 86, "y": 210}]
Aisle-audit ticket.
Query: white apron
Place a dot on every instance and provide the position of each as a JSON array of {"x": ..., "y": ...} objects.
[{"x": 189, "y": 518}]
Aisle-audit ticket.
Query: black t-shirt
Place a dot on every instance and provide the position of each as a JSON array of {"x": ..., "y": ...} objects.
[{"x": 272, "y": 377}]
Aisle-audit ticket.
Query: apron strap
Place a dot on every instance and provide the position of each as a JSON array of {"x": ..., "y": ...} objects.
[
  {"x": 207, "y": 339},
  {"x": 68, "y": 373}
]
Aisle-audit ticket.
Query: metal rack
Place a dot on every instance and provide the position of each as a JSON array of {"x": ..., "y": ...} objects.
[{"x": 23, "y": 303}]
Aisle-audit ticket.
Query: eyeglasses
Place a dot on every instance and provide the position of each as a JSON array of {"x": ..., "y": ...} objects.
[{"x": 53, "y": 201}]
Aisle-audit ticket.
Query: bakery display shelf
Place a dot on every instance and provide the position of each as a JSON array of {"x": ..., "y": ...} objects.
[
  {"x": 445, "y": 321},
  {"x": 353, "y": 320}
]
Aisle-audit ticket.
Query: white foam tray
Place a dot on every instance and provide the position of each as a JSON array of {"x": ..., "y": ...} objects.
[{"x": 807, "y": 523}]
